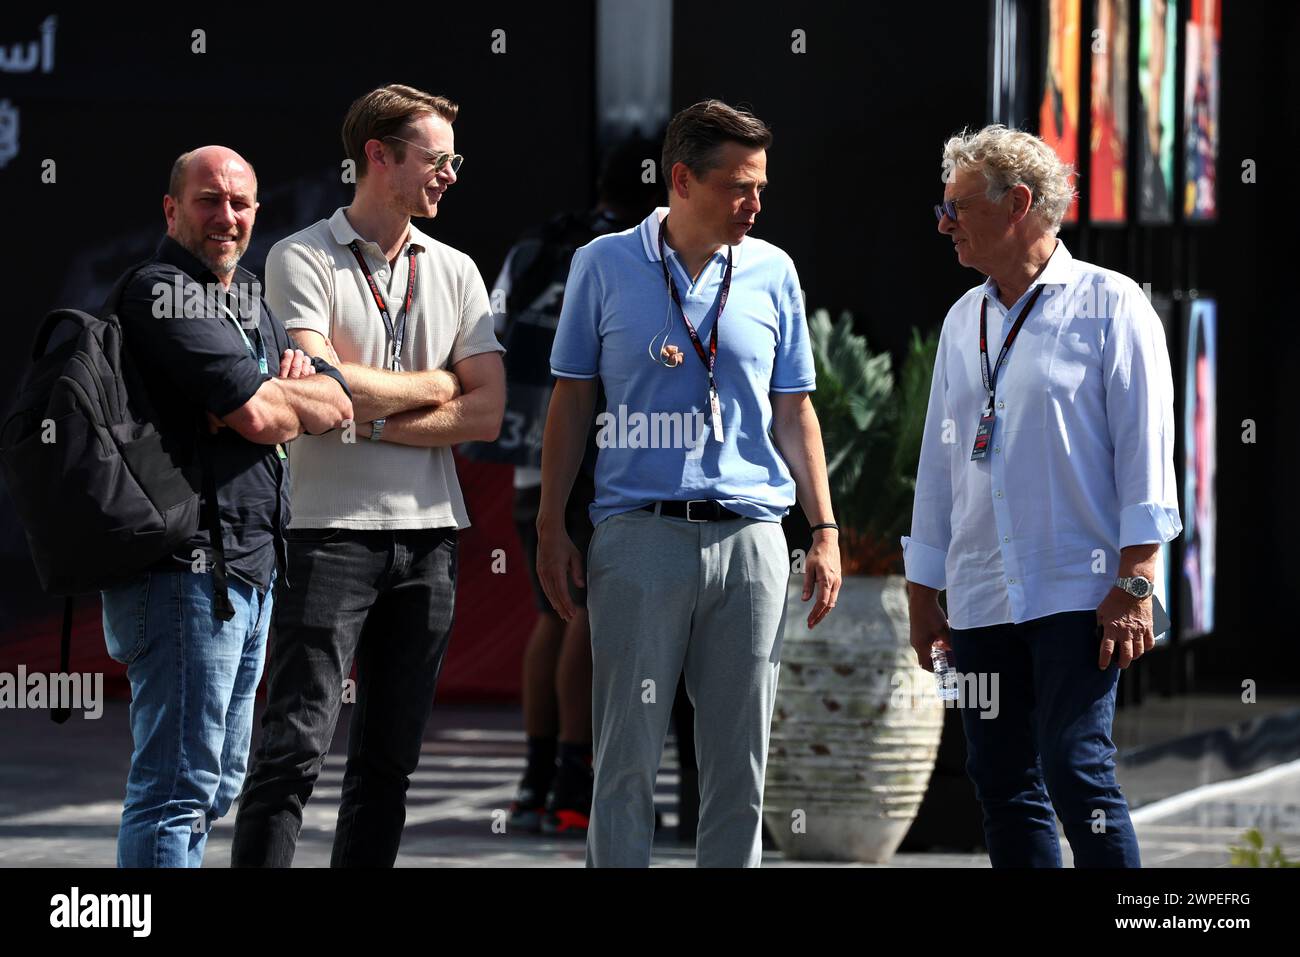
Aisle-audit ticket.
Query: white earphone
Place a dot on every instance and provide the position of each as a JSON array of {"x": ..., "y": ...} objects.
[{"x": 672, "y": 360}]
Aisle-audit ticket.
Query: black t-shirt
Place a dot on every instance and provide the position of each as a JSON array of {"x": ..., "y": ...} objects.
[
  {"x": 182, "y": 332},
  {"x": 538, "y": 263}
]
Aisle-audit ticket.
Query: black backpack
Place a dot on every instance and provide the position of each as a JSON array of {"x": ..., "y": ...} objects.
[{"x": 99, "y": 496}]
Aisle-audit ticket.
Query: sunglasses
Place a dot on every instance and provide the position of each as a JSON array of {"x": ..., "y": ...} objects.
[
  {"x": 439, "y": 160},
  {"x": 949, "y": 207}
]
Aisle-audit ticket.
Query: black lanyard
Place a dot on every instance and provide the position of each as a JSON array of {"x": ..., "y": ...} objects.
[
  {"x": 395, "y": 335},
  {"x": 711, "y": 359},
  {"x": 991, "y": 379}
]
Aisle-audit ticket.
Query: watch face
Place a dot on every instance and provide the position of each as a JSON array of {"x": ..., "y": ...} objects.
[{"x": 1140, "y": 587}]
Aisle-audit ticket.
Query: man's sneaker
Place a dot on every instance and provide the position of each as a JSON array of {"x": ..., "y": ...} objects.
[
  {"x": 528, "y": 808},
  {"x": 568, "y": 807},
  {"x": 565, "y": 822}
]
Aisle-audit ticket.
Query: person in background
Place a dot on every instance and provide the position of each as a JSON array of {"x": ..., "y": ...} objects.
[{"x": 554, "y": 795}]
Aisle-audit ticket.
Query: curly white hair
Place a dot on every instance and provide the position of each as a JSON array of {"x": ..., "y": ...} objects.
[{"x": 1010, "y": 158}]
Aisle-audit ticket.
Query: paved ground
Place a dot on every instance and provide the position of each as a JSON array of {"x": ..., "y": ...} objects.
[{"x": 61, "y": 788}]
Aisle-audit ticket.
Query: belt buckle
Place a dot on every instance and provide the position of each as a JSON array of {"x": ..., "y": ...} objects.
[{"x": 695, "y": 501}]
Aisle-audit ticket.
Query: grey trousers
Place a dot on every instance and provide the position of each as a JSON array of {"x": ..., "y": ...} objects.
[{"x": 664, "y": 595}]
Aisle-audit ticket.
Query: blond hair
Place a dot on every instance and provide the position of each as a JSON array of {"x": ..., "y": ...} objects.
[{"x": 388, "y": 111}]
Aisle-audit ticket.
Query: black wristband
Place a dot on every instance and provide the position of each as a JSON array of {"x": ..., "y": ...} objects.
[
  {"x": 825, "y": 525},
  {"x": 325, "y": 368}
]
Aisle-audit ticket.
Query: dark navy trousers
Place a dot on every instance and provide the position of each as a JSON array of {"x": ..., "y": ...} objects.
[{"x": 1049, "y": 748}]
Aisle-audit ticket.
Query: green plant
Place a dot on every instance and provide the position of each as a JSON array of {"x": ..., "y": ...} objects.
[
  {"x": 1253, "y": 855},
  {"x": 871, "y": 426}
]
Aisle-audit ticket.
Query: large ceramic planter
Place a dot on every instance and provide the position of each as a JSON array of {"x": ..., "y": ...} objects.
[{"x": 855, "y": 730}]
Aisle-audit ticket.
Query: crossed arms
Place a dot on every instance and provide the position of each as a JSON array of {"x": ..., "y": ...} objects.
[
  {"x": 295, "y": 402},
  {"x": 430, "y": 408}
]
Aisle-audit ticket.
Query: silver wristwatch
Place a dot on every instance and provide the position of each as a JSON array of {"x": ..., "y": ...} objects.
[
  {"x": 1137, "y": 586},
  {"x": 377, "y": 429}
]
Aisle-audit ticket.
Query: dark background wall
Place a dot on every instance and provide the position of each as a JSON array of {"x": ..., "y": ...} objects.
[
  {"x": 859, "y": 121},
  {"x": 127, "y": 95}
]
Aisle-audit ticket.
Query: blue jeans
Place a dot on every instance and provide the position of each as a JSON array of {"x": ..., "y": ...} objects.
[
  {"x": 193, "y": 678},
  {"x": 1049, "y": 746}
]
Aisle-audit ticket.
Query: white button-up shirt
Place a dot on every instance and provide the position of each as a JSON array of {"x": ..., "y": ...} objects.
[{"x": 1080, "y": 463}]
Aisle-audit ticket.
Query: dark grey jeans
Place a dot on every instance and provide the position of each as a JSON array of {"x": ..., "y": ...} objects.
[{"x": 385, "y": 598}]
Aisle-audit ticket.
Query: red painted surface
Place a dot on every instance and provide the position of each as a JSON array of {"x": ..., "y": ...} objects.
[{"x": 494, "y": 612}]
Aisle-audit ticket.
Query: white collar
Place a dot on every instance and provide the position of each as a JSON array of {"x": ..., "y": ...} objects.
[
  {"x": 343, "y": 232},
  {"x": 1057, "y": 272},
  {"x": 649, "y": 230}
]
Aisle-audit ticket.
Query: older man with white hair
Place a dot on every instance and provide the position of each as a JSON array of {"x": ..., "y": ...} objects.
[{"x": 1044, "y": 491}]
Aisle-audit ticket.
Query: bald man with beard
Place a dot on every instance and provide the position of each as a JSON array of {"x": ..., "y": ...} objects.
[{"x": 229, "y": 391}]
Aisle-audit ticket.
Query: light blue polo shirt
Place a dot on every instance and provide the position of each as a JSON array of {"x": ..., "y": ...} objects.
[{"x": 655, "y": 434}]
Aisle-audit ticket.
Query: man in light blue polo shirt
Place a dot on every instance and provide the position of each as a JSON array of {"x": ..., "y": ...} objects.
[{"x": 699, "y": 339}]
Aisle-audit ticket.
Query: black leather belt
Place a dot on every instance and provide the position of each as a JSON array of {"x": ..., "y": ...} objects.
[{"x": 696, "y": 510}]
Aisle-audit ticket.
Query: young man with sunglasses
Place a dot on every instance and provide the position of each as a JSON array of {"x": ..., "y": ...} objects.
[{"x": 376, "y": 511}]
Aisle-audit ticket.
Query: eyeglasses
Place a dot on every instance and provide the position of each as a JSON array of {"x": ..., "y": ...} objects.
[
  {"x": 949, "y": 206},
  {"x": 439, "y": 160}
]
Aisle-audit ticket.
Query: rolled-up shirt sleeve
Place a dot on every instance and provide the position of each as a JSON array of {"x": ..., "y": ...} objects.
[
  {"x": 1140, "y": 419},
  {"x": 203, "y": 357},
  {"x": 925, "y": 551}
]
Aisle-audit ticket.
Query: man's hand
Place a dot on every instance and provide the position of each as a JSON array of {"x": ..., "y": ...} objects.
[
  {"x": 928, "y": 623},
  {"x": 296, "y": 364},
  {"x": 822, "y": 574},
  {"x": 798, "y": 438},
  {"x": 387, "y": 394},
  {"x": 1124, "y": 622},
  {"x": 557, "y": 559}
]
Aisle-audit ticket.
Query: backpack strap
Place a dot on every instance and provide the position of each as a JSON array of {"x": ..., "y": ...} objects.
[
  {"x": 45, "y": 331},
  {"x": 60, "y": 715},
  {"x": 114, "y": 298},
  {"x": 222, "y": 606}
]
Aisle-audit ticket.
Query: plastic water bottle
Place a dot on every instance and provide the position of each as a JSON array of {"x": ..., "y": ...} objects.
[{"x": 945, "y": 675}]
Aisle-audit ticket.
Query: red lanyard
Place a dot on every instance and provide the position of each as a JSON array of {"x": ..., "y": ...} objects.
[
  {"x": 991, "y": 379},
  {"x": 395, "y": 335},
  {"x": 711, "y": 359}
]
